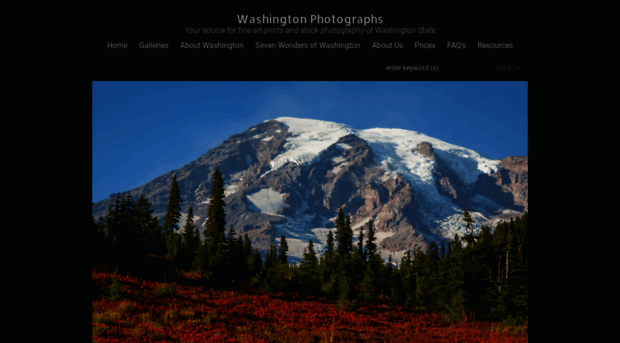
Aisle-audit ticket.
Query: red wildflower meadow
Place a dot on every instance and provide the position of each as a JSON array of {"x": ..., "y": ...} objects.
[{"x": 164, "y": 312}]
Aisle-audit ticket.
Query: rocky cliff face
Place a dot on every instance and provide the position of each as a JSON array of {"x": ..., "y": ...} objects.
[{"x": 284, "y": 179}]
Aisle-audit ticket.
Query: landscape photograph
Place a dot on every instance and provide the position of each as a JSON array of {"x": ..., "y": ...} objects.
[{"x": 310, "y": 211}]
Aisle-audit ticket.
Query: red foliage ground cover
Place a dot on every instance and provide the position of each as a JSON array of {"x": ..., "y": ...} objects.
[{"x": 152, "y": 313}]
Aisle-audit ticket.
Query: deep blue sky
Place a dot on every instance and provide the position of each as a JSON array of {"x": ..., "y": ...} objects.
[{"x": 144, "y": 129}]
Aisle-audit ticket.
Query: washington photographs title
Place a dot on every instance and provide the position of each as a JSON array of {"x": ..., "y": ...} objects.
[{"x": 314, "y": 19}]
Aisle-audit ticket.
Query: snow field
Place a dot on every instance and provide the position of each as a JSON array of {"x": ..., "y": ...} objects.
[
  {"x": 393, "y": 149},
  {"x": 266, "y": 201}
]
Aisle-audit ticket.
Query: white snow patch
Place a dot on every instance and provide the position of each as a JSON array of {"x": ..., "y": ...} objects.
[
  {"x": 383, "y": 235},
  {"x": 297, "y": 246},
  {"x": 338, "y": 159},
  {"x": 238, "y": 141},
  {"x": 258, "y": 136},
  {"x": 361, "y": 223},
  {"x": 206, "y": 201},
  {"x": 393, "y": 149},
  {"x": 266, "y": 201},
  {"x": 230, "y": 189},
  {"x": 278, "y": 131},
  {"x": 308, "y": 139},
  {"x": 339, "y": 167},
  {"x": 343, "y": 146},
  {"x": 252, "y": 129},
  {"x": 265, "y": 173},
  {"x": 267, "y": 139},
  {"x": 454, "y": 224}
]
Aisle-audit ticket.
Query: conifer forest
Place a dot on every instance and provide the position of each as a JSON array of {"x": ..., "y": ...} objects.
[{"x": 163, "y": 282}]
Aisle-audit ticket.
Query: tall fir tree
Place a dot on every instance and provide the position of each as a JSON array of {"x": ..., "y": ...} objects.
[
  {"x": 348, "y": 236},
  {"x": 133, "y": 247},
  {"x": 98, "y": 241},
  {"x": 143, "y": 215},
  {"x": 308, "y": 269},
  {"x": 339, "y": 224},
  {"x": 329, "y": 250},
  {"x": 231, "y": 239},
  {"x": 216, "y": 221},
  {"x": 247, "y": 247},
  {"x": 371, "y": 247},
  {"x": 309, "y": 259},
  {"x": 112, "y": 226},
  {"x": 442, "y": 251},
  {"x": 344, "y": 235},
  {"x": 190, "y": 233},
  {"x": 360, "y": 245},
  {"x": 191, "y": 240},
  {"x": 456, "y": 243},
  {"x": 172, "y": 218},
  {"x": 282, "y": 251},
  {"x": 469, "y": 225}
]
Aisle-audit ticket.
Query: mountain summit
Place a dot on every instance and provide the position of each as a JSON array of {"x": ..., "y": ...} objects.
[{"x": 288, "y": 176}]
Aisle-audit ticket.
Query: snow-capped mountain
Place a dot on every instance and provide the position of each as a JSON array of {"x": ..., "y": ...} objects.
[{"x": 288, "y": 176}]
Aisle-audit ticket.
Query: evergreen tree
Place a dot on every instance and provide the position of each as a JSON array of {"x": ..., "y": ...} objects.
[
  {"x": 283, "y": 250},
  {"x": 406, "y": 273},
  {"x": 239, "y": 264},
  {"x": 112, "y": 226},
  {"x": 348, "y": 236},
  {"x": 247, "y": 247},
  {"x": 190, "y": 233},
  {"x": 371, "y": 247},
  {"x": 215, "y": 225},
  {"x": 388, "y": 272},
  {"x": 157, "y": 241},
  {"x": 216, "y": 221},
  {"x": 344, "y": 234},
  {"x": 257, "y": 262},
  {"x": 134, "y": 250},
  {"x": 121, "y": 230},
  {"x": 308, "y": 269},
  {"x": 397, "y": 287},
  {"x": 432, "y": 256},
  {"x": 329, "y": 250},
  {"x": 419, "y": 264},
  {"x": 191, "y": 241},
  {"x": 172, "y": 218},
  {"x": 328, "y": 266},
  {"x": 218, "y": 262},
  {"x": 523, "y": 248},
  {"x": 370, "y": 285},
  {"x": 230, "y": 241},
  {"x": 360, "y": 245},
  {"x": 442, "y": 252},
  {"x": 456, "y": 243},
  {"x": 144, "y": 222},
  {"x": 98, "y": 241},
  {"x": 309, "y": 260},
  {"x": 469, "y": 224}
]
